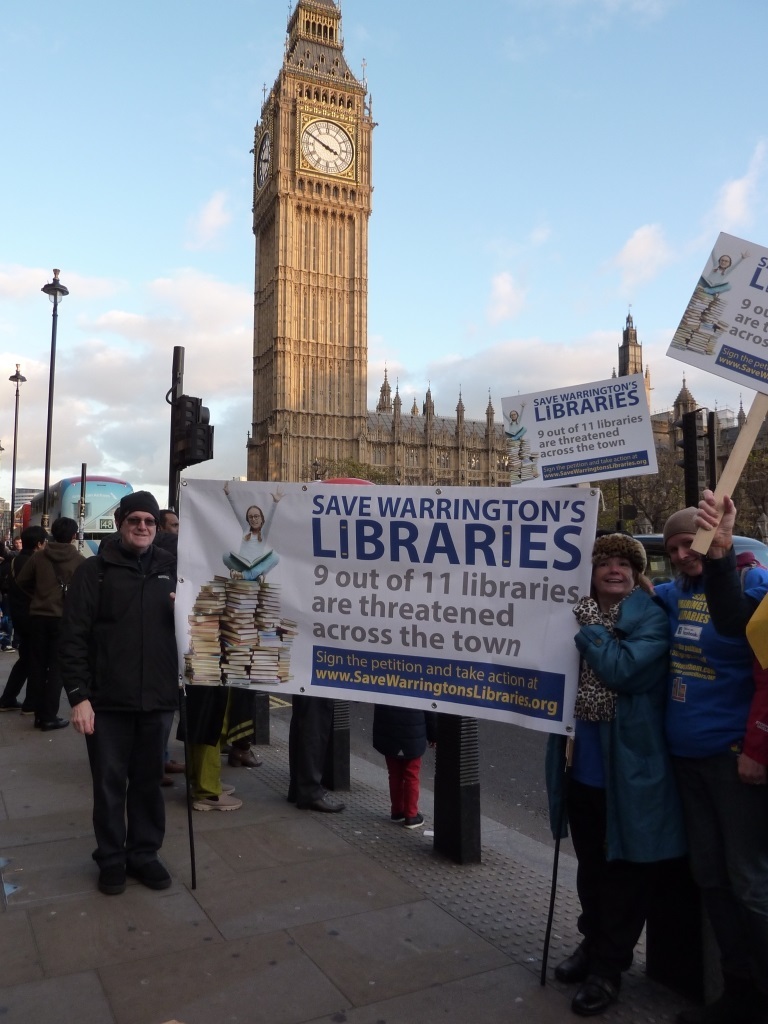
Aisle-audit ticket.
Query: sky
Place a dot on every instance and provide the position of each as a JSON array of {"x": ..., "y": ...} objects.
[{"x": 540, "y": 168}]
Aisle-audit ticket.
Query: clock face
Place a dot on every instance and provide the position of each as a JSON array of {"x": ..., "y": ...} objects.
[
  {"x": 327, "y": 147},
  {"x": 262, "y": 159}
]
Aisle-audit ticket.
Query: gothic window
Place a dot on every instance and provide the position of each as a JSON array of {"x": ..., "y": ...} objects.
[
  {"x": 349, "y": 104},
  {"x": 379, "y": 455},
  {"x": 473, "y": 461},
  {"x": 305, "y": 244},
  {"x": 412, "y": 457}
]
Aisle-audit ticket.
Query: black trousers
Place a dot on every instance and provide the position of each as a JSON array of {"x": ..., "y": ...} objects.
[
  {"x": 311, "y": 724},
  {"x": 127, "y": 752},
  {"x": 44, "y": 684},
  {"x": 20, "y": 671},
  {"x": 613, "y": 893}
]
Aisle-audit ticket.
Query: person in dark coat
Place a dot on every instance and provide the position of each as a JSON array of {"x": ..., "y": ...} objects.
[
  {"x": 622, "y": 804},
  {"x": 45, "y": 579},
  {"x": 401, "y": 735},
  {"x": 120, "y": 668},
  {"x": 33, "y": 539}
]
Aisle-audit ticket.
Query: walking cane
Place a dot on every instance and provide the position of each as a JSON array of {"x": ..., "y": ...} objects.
[
  {"x": 556, "y": 860},
  {"x": 185, "y": 734}
]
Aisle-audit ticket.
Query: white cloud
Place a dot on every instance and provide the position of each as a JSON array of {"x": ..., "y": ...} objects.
[
  {"x": 643, "y": 256},
  {"x": 734, "y": 207},
  {"x": 209, "y": 223},
  {"x": 507, "y": 298},
  {"x": 113, "y": 369}
]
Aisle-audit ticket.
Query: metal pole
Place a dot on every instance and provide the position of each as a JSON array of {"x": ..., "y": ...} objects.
[
  {"x": 18, "y": 379},
  {"x": 81, "y": 510},
  {"x": 44, "y": 522},
  {"x": 175, "y": 392},
  {"x": 53, "y": 291}
]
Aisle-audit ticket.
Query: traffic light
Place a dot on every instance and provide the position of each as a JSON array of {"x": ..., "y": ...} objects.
[
  {"x": 192, "y": 432},
  {"x": 691, "y": 461}
]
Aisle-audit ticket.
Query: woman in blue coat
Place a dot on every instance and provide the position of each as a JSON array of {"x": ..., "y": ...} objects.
[{"x": 621, "y": 804}]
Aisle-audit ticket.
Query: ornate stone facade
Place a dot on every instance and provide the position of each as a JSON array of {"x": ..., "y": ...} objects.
[{"x": 311, "y": 204}]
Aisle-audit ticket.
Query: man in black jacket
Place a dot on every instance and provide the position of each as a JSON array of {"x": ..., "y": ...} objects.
[{"x": 119, "y": 665}]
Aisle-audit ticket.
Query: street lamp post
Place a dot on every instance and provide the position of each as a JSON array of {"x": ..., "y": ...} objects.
[
  {"x": 17, "y": 379},
  {"x": 55, "y": 292}
]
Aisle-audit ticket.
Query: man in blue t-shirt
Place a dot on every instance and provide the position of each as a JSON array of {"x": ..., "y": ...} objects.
[{"x": 724, "y": 796}]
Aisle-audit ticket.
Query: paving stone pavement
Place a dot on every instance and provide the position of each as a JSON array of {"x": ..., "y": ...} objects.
[{"x": 296, "y": 917}]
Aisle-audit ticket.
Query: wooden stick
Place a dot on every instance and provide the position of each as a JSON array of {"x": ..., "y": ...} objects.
[{"x": 735, "y": 464}]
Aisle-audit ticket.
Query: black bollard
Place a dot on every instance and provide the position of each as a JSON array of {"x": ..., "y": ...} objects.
[
  {"x": 457, "y": 790},
  {"x": 336, "y": 768},
  {"x": 260, "y": 717}
]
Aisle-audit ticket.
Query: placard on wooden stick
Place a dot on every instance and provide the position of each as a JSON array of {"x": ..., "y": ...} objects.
[{"x": 735, "y": 464}]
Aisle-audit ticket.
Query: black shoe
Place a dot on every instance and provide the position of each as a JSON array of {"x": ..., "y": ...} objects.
[
  {"x": 10, "y": 705},
  {"x": 323, "y": 803},
  {"x": 152, "y": 874},
  {"x": 595, "y": 996},
  {"x": 112, "y": 880},
  {"x": 48, "y": 725},
  {"x": 415, "y": 822},
  {"x": 26, "y": 710},
  {"x": 575, "y": 968}
]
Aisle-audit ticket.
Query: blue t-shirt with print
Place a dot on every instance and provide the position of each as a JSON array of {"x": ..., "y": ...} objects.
[{"x": 711, "y": 684}]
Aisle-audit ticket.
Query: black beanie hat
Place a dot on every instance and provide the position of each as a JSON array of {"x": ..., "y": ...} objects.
[{"x": 139, "y": 501}]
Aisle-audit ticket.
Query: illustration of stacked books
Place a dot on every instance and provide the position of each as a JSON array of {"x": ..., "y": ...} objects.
[
  {"x": 702, "y": 324},
  {"x": 202, "y": 661},
  {"x": 237, "y": 635},
  {"x": 523, "y": 463}
]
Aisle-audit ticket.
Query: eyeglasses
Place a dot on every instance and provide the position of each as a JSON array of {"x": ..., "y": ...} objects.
[{"x": 138, "y": 521}]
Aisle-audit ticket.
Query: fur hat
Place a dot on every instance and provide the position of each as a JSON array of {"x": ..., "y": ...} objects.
[
  {"x": 680, "y": 522},
  {"x": 139, "y": 501},
  {"x": 620, "y": 545}
]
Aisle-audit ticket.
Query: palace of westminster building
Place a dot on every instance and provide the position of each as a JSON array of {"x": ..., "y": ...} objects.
[{"x": 311, "y": 203}]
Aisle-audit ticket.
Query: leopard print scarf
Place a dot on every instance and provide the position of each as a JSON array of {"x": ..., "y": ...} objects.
[{"x": 594, "y": 701}]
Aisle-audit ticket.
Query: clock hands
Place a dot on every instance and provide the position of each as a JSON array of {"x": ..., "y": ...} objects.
[{"x": 323, "y": 144}]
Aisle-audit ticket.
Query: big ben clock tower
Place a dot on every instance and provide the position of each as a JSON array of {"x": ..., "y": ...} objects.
[{"x": 312, "y": 201}]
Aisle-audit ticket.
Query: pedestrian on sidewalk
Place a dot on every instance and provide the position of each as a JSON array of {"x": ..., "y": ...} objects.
[
  {"x": 120, "y": 669},
  {"x": 207, "y": 716},
  {"x": 622, "y": 804},
  {"x": 33, "y": 539},
  {"x": 45, "y": 579},
  {"x": 402, "y": 734}
]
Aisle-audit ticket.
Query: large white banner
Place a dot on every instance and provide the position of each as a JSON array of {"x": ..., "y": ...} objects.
[
  {"x": 594, "y": 431},
  {"x": 451, "y": 599},
  {"x": 724, "y": 329}
]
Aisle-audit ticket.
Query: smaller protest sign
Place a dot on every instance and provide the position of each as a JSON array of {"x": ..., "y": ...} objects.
[
  {"x": 573, "y": 435},
  {"x": 724, "y": 328}
]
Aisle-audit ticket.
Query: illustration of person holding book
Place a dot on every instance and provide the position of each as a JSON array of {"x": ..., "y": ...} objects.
[
  {"x": 256, "y": 556},
  {"x": 715, "y": 280},
  {"x": 515, "y": 431}
]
